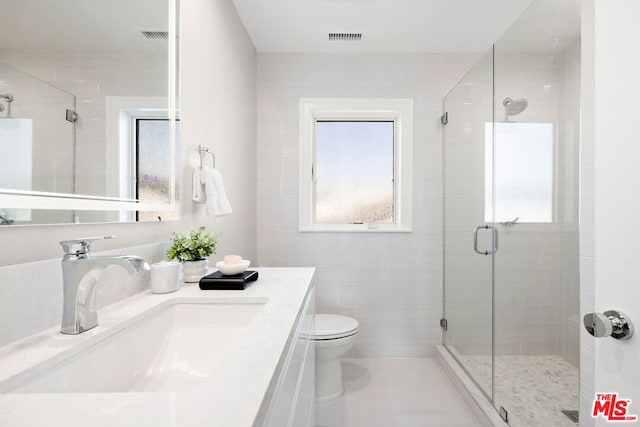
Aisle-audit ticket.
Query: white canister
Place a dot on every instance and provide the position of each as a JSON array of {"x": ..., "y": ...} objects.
[{"x": 165, "y": 277}]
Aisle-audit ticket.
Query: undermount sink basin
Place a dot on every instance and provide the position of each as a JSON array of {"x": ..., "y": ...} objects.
[{"x": 167, "y": 350}]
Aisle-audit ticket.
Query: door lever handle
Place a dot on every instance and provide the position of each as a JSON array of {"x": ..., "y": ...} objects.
[{"x": 612, "y": 323}]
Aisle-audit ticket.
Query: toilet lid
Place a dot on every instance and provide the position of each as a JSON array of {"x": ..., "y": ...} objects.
[{"x": 331, "y": 326}]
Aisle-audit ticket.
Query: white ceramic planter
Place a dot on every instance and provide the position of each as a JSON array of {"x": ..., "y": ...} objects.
[{"x": 192, "y": 271}]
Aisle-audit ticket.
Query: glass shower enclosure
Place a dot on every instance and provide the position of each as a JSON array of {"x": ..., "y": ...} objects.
[
  {"x": 37, "y": 143},
  {"x": 511, "y": 281}
]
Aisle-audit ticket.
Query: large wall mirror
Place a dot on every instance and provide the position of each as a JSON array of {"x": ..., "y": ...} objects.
[{"x": 88, "y": 117}]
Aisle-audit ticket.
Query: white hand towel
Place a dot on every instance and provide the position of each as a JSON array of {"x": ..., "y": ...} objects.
[
  {"x": 215, "y": 194},
  {"x": 197, "y": 194}
]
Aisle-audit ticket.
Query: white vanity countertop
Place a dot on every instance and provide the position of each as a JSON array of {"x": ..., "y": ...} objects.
[{"x": 230, "y": 398}]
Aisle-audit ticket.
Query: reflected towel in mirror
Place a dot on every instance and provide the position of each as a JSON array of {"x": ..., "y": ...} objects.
[{"x": 208, "y": 188}]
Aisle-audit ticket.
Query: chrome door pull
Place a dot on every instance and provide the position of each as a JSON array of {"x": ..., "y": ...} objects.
[
  {"x": 612, "y": 323},
  {"x": 475, "y": 239},
  {"x": 495, "y": 239}
]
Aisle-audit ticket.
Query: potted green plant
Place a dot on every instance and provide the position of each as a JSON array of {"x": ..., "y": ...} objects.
[{"x": 192, "y": 250}]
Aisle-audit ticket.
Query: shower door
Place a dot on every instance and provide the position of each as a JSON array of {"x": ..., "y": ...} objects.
[
  {"x": 536, "y": 270},
  {"x": 468, "y": 224},
  {"x": 511, "y": 265}
]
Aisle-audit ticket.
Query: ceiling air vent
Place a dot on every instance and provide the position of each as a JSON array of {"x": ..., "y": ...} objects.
[
  {"x": 155, "y": 35},
  {"x": 345, "y": 37}
]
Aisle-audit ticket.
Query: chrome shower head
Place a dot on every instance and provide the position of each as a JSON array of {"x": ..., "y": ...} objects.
[{"x": 512, "y": 107}]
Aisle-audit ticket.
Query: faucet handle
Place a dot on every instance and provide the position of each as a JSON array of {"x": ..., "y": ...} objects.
[{"x": 81, "y": 246}]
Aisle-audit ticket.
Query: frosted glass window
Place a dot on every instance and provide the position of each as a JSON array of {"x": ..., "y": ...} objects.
[
  {"x": 355, "y": 165},
  {"x": 523, "y": 172},
  {"x": 354, "y": 172},
  {"x": 153, "y": 165}
]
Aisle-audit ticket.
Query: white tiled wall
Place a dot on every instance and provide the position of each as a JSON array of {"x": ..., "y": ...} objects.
[{"x": 390, "y": 282}]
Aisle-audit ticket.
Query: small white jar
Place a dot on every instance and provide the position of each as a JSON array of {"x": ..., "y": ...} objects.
[{"x": 165, "y": 277}]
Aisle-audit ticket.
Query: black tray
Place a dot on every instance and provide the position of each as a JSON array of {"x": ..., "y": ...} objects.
[{"x": 219, "y": 281}]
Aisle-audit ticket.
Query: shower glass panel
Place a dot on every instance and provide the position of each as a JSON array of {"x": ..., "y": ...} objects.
[
  {"x": 467, "y": 270},
  {"x": 36, "y": 142},
  {"x": 511, "y": 157},
  {"x": 535, "y": 203}
]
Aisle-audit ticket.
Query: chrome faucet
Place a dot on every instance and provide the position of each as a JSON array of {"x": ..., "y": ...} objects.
[{"x": 80, "y": 272}]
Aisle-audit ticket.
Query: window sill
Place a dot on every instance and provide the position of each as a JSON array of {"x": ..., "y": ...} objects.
[{"x": 354, "y": 228}]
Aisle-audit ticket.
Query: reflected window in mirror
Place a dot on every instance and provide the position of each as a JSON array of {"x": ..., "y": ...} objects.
[
  {"x": 153, "y": 161},
  {"x": 139, "y": 144}
]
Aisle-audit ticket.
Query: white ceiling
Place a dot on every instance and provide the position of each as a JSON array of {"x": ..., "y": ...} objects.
[
  {"x": 81, "y": 24},
  {"x": 388, "y": 26},
  {"x": 402, "y": 26}
]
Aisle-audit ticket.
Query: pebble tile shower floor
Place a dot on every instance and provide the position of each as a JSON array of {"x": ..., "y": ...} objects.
[{"x": 534, "y": 389}]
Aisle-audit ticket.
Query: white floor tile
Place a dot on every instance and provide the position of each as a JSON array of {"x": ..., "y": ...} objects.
[{"x": 395, "y": 393}]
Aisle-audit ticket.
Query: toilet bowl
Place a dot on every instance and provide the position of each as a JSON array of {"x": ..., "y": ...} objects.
[{"x": 334, "y": 335}]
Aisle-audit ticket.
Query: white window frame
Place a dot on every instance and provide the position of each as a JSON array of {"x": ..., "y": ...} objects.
[
  {"x": 121, "y": 115},
  {"x": 398, "y": 110}
]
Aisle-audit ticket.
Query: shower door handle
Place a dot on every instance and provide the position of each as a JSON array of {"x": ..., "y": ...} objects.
[{"x": 494, "y": 232}]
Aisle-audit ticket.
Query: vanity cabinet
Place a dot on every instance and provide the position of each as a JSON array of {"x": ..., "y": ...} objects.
[
  {"x": 253, "y": 349},
  {"x": 292, "y": 404}
]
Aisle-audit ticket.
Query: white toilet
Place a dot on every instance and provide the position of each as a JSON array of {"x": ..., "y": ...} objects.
[{"x": 334, "y": 335}]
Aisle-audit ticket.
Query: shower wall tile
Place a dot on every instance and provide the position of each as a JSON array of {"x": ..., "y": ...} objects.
[{"x": 390, "y": 282}]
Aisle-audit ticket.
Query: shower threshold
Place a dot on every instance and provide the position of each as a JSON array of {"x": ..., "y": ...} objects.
[
  {"x": 471, "y": 393},
  {"x": 572, "y": 415},
  {"x": 517, "y": 380}
]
